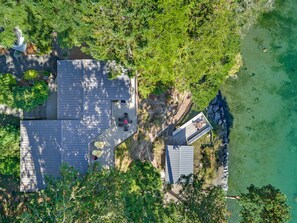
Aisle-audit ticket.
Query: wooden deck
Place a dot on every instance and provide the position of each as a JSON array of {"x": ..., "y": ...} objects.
[{"x": 115, "y": 135}]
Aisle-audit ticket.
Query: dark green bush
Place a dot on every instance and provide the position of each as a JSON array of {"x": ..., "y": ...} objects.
[
  {"x": 31, "y": 74},
  {"x": 24, "y": 97},
  {"x": 9, "y": 150}
]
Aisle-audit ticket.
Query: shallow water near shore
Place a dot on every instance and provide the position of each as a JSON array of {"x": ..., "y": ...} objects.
[{"x": 263, "y": 107}]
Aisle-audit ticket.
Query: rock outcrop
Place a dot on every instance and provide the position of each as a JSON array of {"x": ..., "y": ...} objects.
[{"x": 217, "y": 113}]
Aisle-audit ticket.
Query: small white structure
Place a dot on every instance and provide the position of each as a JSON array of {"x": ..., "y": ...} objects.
[
  {"x": 192, "y": 130},
  {"x": 20, "y": 43}
]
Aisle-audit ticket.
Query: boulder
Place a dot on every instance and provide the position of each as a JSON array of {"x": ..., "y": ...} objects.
[
  {"x": 215, "y": 108},
  {"x": 217, "y": 117}
]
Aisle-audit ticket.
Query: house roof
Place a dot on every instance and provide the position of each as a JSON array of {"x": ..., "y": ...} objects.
[
  {"x": 40, "y": 152},
  {"x": 191, "y": 131},
  {"x": 179, "y": 161},
  {"x": 84, "y": 111},
  {"x": 84, "y": 87}
]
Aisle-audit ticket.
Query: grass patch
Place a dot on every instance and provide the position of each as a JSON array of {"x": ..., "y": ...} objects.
[
  {"x": 159, "y": 152},
  {"x": 122, "y": 157},
  {"x": 205, "y": 158}
]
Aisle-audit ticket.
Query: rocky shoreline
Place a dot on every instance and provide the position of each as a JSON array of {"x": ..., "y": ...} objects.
[{"x": 217, "y": 113}]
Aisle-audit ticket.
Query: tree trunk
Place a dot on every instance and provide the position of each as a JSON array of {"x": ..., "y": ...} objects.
[{"x": 233, "y": 197}]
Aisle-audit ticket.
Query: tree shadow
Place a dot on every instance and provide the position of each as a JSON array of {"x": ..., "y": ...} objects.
[{"x": 228, "y": 115}]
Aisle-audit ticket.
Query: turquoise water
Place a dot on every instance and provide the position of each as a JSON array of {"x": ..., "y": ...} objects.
[{"x": 263, "y": 105}]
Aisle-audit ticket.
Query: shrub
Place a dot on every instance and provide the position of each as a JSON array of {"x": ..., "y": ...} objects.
[
  {"x": 9, "y": 150},
  {"x": 7, "y": 81},
  {"x": 24, "y": 97},
  {"x": 31, "y": 74},
  {"x": 29, "y": 97}
]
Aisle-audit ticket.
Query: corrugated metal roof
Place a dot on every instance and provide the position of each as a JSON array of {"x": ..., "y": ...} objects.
[
  {"x": 179, "y": 161},
  {"x": 84, "y": 109}
]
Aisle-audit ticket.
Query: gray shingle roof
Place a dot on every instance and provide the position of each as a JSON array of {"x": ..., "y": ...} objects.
[
  {"x": 84, "y": 110},
  {"x": 83, "y": 82},
  {"x": 75, "y": 139},
  {"x": 179, "y": 161},
  {"x": 40, "y": 152},
  {"x": 70, "y": 92}
]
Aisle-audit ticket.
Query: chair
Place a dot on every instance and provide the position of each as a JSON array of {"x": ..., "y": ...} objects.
[
  {"x": 126, "y": 114},
  {"x": 121, "y": 124},
  {"x": 130, "y": 121},
  {"x": 125, "y": 128},
  {"x": 120, "y": 119}
]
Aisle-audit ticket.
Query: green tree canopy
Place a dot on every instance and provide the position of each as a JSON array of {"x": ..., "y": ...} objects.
[
  {"x": 264, "y": 204},
  {"x": 24, "y": 97},
  {"x": 200, "y": 203},
  {"x": 100, "y": 196},
  {"x": 187, "y": 44},
  {"x": 9, "y": 150}
]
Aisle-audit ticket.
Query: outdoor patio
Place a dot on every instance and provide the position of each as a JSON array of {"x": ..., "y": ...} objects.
[{"x": 104, "y": 145}]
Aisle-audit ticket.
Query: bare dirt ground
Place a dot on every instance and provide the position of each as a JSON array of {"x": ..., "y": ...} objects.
[{"x": 156, "y": 116}]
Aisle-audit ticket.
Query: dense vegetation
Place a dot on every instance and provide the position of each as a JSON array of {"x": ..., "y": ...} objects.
[
  {"x": 26, "y": 97},
  {"x": 265, "y": 204},
  {"x": 188, "y": 44},
  {"x": 106, "y": 196},
  {"x": 135, "y": 196},
  {"x": 9, "y": 150}
]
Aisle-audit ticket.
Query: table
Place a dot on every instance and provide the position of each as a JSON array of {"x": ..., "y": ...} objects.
[{"x": 124, "y": 122}]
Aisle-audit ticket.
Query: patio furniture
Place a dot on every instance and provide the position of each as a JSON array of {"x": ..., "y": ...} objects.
[
  {"x": 124, "y": 121},
  {"x": 99, "y": 144},
  {"x": 130, "y": 121},
  {"x": 200, "y": 125},
  {"x": 97, "y": 153}
]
